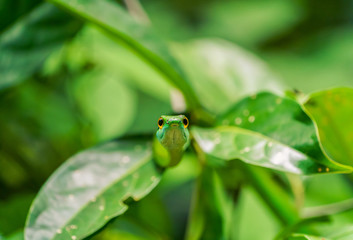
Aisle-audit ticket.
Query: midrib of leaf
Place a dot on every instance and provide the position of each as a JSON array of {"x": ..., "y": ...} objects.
[
  {"x": 150, "y": 58},
  {"x": 250, "y": 132},
  {"x": 130, "y": 171}
]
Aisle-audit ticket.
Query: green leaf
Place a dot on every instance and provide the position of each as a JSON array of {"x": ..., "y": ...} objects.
[
  {"x": 13, "y": 211},
  {"x": 225, "y": 70},
  {"x": 140, "y": 39},
  {"x": 282, "y": 120},
  {"x": 211, "y": 213},
  {"x": 25, "y": 46},
  {"x": 331, "y": 110},
  {"x": 301, "y": 236},
  {"x": 10, "y": 11},
  {"x": 95, "y": 92},
  {"x": 91, "y": 188},
  {"x": 248, "y": 19},
  {"x": 230, "y": 143},
  {"x": 344, "y": 233},
  {"x": 16, "y": 236}
]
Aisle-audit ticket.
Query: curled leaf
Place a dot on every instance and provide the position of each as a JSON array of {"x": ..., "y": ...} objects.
[
  {"x": 331, "y": 110},
  {"x": 282, "y": 120}
]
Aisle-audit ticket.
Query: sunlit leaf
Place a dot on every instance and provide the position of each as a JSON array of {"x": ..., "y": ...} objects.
[
  {"x": 91, "y": 188},
  {"x": 223, "y": 73},
  {"x": 332, "y": 112},
  {"x": 140, "y": 39},
  {"x": 281, "y": 119},
  {"x": 25, "y": 46},
  {"x": 230, "y": 143}
]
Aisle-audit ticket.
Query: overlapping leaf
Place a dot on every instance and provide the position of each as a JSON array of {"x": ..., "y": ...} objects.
[
  {"x": 332, "y": 112},
  {"x": 283, "y": 121},
  {"x": 25, "y": 46},
  {"x": 90, "y": 189}
]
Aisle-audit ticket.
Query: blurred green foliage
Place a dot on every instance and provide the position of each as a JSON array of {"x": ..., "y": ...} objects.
[{"x": 66, "y": 85}]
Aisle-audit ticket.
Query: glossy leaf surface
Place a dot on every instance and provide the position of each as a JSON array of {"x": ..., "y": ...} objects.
[
  {"x": 230, "y": 143},
  {"x": 90, "y": 189},
  {"x": 25, "y": 46},
  {"x": 332, "y": 112},
  {"x": 140, "y": 39},
  {"x": 281, "y": 119}
]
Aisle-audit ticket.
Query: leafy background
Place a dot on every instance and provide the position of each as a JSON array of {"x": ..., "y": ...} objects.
[{"x": 66, "y": 85}]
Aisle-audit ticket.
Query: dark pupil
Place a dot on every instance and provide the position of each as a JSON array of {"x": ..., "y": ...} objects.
[
  {"x": 185, "y": 121},
  {"x": 160, "y": 122}
]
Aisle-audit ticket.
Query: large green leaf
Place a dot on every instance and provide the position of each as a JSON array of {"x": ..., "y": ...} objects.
[
  {"x": 91, "y": 188},
  {"x": 281, "y": 119},
  {"x": 332, "y": 112},
  {"x": 25, "y": 46},
  {"x": 223, "y": 73},
  {"x": 140, "y": 39},
  {"x": 230, "y": 143}
]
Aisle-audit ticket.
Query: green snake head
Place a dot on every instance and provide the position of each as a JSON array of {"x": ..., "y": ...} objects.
[{"x": 173, "y": 135}]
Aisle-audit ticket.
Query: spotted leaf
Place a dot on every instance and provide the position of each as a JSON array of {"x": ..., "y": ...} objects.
[
  {"x": 91, "y": 188},
  {"x": 280, "y": 119},
  {"x": 332, "y": 112},
  {"x": 230, "y": 143}
]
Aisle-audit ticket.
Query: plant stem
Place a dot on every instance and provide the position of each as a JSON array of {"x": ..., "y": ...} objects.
[{"x": 278, "y": 201}]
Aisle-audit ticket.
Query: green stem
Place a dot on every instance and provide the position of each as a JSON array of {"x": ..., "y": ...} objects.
[{"x": 274, "y": 196}]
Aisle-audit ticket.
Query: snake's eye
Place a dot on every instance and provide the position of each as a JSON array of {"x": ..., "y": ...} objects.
[
  {"x": 160, "y": 122},
  {"x": 185, "y": 122}
]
